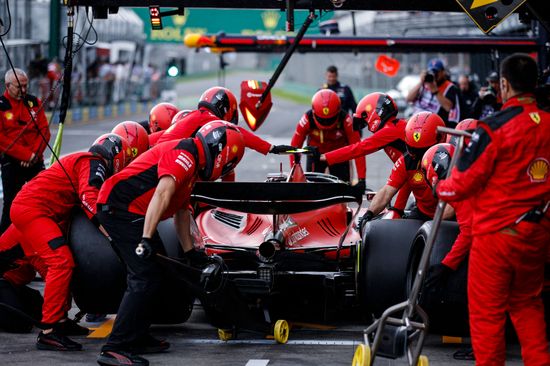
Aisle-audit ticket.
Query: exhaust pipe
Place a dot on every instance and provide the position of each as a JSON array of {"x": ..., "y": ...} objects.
[{"x": 271, "y": 245}]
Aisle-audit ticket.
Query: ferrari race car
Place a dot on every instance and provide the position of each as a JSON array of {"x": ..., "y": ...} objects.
[{"x": 288, "y": 248}]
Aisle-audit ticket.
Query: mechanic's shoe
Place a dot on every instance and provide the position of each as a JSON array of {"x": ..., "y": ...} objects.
[
  {"x": 195, "y": 258},
  {"x": 96, "y": 318},
  {"x": 71, "y": 328},
  {"x": 54, "y": 341},
  {"x": 465, "y": 354},
  {"x": 116, "y": 358},
  {"x": 149, "y": 344}
]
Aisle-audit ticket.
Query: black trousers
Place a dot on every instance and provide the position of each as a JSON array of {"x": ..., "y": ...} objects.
[
  {"x": 144, "y": 277},
  {"x": 416, "y": 214},
  {"x": 13, "y": 178},
  {"x": 341, "y": 170}
]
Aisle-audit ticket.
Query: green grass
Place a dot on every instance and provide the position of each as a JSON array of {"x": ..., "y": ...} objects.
[{"x": 291, "y": 96}]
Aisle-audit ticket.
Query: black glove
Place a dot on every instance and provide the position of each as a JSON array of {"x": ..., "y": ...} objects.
[
  {"x": 145, "y": 249},
  {"x": 437, "y": 277},
  {"x": 8, "y": 258},
  {"x": 278, "y": 149},
  {"x": 366, "y": 217},
  {"x": 313, "y": 151},
  {"x": 361, "y": 186},
  {"x": 195, "y": 258}
]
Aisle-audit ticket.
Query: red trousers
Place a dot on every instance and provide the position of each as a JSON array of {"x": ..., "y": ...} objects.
[
  {"x": 42, "y": 237},
  {"x": 27, "y": 266},
  {"x": 506, "y": 275}
]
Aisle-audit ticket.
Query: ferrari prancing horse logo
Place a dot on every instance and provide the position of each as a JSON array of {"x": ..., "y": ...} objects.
[
  {"x": 416, "y": 136},
  {"x": 535, "y": 117},
  {"x": 326, "y": 111}
]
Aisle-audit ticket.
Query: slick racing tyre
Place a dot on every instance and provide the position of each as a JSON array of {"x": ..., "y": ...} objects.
[
  {"x": 383, "y": 260},
  {"x": 99, "y": 277},
  {"x": 448, "y": 305}
]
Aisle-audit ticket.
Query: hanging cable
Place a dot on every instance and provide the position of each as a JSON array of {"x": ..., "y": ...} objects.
[{"x": 66, "y": 94}]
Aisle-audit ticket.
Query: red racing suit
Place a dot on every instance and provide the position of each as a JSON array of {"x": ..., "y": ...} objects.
[
  {"x": 505, "y": 169},
  {"x": 27, "y": 266},
  {"x": 20, "y": 136},
  {"x": 327, "y": 140},
  {"x": 463, "y": 242},
  {"x": 132, "y": 189},
  {"x": 406, "y": 171},
  {"x": 191, "y": 123},
  {"x": 391, "y": 138},
  {"x": 154, "y": 137},
  {"x": 40, "y": 213}
]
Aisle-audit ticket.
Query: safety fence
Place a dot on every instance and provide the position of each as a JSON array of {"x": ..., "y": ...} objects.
[{"x": 98, "y": 113}]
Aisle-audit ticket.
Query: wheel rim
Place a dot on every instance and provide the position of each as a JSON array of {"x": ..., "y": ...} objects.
[
  {"x": 423, "y": 361},
  {"x": 281, "y": 331},
  {"x": 225, "y": 335},
  {"x": 361, "y": 356}
]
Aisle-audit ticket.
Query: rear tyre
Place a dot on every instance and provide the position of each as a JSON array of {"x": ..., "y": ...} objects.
[
  {"x": 99, "y": 278},
  {"x": 448, "y": 309},
  {"x": 383, "y": 260}
]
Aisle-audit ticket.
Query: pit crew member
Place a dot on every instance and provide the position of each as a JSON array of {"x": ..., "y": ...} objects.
[
  {"x": 40, "y": 213},
  {"x": 327, "y": 127},
  {"x": 505, "y": 170},
  {"x": 156, "y": 186}
]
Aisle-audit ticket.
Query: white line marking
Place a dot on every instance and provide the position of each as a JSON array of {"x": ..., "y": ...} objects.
[
  {"x": 257, "y": 363},
  {"x": 297, "y": 342}
]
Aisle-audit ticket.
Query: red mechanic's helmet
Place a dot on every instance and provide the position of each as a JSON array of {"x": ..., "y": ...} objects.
[
  {"x": 436, "y": 162},
  {"x": 161, "y": 116},
  {"x": 223, "y": 146},
  {"x": 468, "y": 125},
  {"x": 135, "y": 134},
  {"x": 113, "y": 148},
  {"x": 326, "y": 107},
  {"x": 180, "y": 115},
  {"x": 421, "y": 132},
  {"x": 373, "y": 111},
  {"x": 222, "y": 102}
]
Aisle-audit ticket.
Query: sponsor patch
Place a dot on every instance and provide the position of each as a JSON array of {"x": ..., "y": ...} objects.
[
  {"x": 417, "y": 177},
  {"x": 184, "y": 161},
  {"x": 297, "y": 236},
  {"x": 538, "y": 170}
]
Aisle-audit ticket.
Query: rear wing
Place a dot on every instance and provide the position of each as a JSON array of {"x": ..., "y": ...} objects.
[{"x": 274, "y": 197}]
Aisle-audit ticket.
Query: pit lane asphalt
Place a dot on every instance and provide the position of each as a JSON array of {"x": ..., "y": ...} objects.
[{"x": 195, "y": 342}]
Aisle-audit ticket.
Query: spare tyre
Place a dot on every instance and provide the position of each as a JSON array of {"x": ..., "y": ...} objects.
[
  {"x": 383, "y": 263},
  {"x": 99, "y": 278},
  {"x": 448, "y": 308}
]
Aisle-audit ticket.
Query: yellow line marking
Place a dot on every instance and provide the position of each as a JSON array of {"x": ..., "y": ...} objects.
[
  {"x": 103, "y": 330},
  {"x": 451, "y": 340},
  {"x": 312, "y": 326}
]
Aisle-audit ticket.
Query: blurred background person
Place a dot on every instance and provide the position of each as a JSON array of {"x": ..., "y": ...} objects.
[
  {"x": 344, "y": 92},
  {"x": 435, "y": 93},
  {"x": 468, "y": 95}
]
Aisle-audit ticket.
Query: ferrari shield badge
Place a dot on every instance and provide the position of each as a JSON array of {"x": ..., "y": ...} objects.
[
  {"x": 535, "y": 117},
  {"x": 416, "y": 136}
]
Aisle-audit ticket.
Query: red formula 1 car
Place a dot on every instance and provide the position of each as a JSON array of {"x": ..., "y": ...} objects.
[{"x": 288, "y": 248}]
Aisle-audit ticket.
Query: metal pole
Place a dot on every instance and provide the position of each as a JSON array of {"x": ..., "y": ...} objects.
[
  {"x": 55, "y": 21},
  {"x": 286, "y": 57}
]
